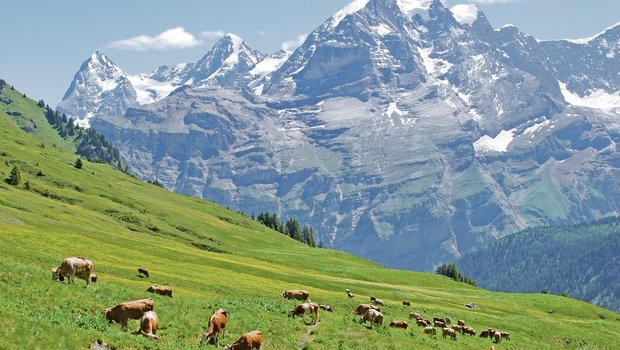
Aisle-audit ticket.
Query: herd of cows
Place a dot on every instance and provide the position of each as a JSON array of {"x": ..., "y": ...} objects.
[{"x": 142, "y": 310}]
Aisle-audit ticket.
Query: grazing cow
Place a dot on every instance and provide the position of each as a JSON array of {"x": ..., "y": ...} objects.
[
  {"x": 373, "y": 299},
  {"x": 448, "y": 331},
  {"x": 430, "y": 330},
  {"x": 362, "y": 308},
  {"x": 457, "y": 328},
  {"x": 421, "y": 322},
  {"x": 128, "y": 310},
  {"x": 295, "y": 294},
  {"x": 439, "y": 324},
  {"x": 143, "y": 272},
  {"x": 491, "y": 332},
  {"x": 399, "y": 324},
  {"x": 149, "y": 324},
  {"x": 484, "y": 333},
  {"x": 468, "y": 330},
  {"x": 460, "y": 322},
  {"x": 350, "y": 295},
  {"x": 414, "y": 315},
  {"x": 440, "y": 319},
  {"x": 161, "y": 290},
  {"x": 250, "y": 340},
  {"x": 74, "y": 267},
  {"x": 217, "y": 324},
  {"x": 327, "y": 308},
  {"x": 379, "y": 302},
  {"x": 406, "y": 303},
  {"x": 497, "y": 337},
  {"x": 306, "y": 309},
  {"x": 373, "y": 316},
  {"x": 505, "y": 335}
]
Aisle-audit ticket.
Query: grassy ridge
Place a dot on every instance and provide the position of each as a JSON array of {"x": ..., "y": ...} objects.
[{"x": 212, "y": 258}]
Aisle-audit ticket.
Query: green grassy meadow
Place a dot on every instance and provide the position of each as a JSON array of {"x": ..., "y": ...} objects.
[{"x": 213, "y": 257}]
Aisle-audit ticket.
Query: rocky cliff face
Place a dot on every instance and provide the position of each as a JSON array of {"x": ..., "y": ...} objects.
[{"x": 400, "y": 130}]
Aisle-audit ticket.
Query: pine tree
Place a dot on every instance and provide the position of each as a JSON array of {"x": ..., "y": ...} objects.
[
  {"x": 78, "y": 163},
  {"x": 15, "y": 177}
]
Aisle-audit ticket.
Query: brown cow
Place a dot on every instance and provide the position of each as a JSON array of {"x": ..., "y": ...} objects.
[
  {"x": 440, "y": 319},
  {"x": 439, "y": 324},
  {"x": 406, "y": 303},
  {"x": 74, "y": 267},
  {"x": 468, "y": 330},
  {"x": 128, "y": 310},
  {"x": 327, "y": 308},
  {"x": 448, "y": 331},
  {"x": 143, "y": 272},
  {"x": 421, "y": 322},
  {"x": 379, "y": 302},
  {"x": 414, "y": 315},
  {"x": 304, "y": 309},
  {"x": 460, "y": 323},
  {"x": 217, "y": 324},
  {"x": 149, "y": 324},
  {"x": 374, "y": 316},
  {"x": 430, "y": 330},
  {"x": 484, "y": 333},
  {"x": 399, "y": 324},
  {"x": 248, "y": 341},
  {"x": 161, "y": 290},
  {"x": 350, "y": 295},
  {"x": 505, "y": 335},
  {"x": 295, "y": 294},
  {"x": 457, "y": 328},
  {"x": 362, "y": 308}
]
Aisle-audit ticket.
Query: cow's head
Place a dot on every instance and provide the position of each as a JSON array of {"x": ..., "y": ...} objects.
[
  {"x": 151, "y": 289},
  {"x": 283, "y": 293},
  {"x": 108, "y": 314},
  {"x": 207, "y": 338},
  {"x": 93, "y": 278},
  {"x": 291, "y": 313},
  {"x": 56, "y": 275}
]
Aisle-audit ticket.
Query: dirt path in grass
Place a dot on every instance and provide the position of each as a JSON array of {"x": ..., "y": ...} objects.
[{"x": 306, "y": 338}]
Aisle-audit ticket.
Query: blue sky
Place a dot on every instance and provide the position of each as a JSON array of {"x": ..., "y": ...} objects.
[{"x": 44, "y": 42}]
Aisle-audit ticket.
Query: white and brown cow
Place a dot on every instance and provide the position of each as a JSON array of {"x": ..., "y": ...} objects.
[
  {"x": 304, "y": 309},
  {"x": 373, "y": 316},
  {"x": 217, "y": 324},
  {"x": 74, "y": 267},
  {"x": 248, "y": 341}
]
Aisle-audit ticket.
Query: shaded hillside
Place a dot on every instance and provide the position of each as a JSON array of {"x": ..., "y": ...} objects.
[
  {"x": 583, "y": 260},
  {"x": 55, "y": 128},
  {"x": 213, "y": 257}
]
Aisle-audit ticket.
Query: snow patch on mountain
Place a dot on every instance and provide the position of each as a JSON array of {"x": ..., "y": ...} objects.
[
  {"x": 411, "y": 7},
  {"x": 599, "y": 99},
  {"x": 465, "y": 14},
  {"x": 499, "y": 143},
  {"x": 270, "y": 64},
  {"x": 535, "y": 128},
  {"x": 348, "y": 10},
  {"x": 149, "y": 90},
  {"x": 382, "y": 29},
  {"x": 434, "y": 66}
]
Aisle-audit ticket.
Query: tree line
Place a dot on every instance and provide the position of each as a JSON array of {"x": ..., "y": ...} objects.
[
  {"x": 291, "y": 228},
  {"x": 450, "y": 270},
  {"x": 89, "y": 143}
]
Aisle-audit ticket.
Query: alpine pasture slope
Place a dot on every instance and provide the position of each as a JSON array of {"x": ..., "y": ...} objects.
[{"x": 213, "y": 257}]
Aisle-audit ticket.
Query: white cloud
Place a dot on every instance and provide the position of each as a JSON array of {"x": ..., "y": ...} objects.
[
  {"x": 171, "y": 39},
  {"x": 492, "y": 2},
  {"x": 212, "y": 34},
  {"x": 293, "y": 44},
  {"x": 262, "y": 32}
]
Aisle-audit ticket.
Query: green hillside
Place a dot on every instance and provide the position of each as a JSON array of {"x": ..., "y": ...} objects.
[
  {"x": 213, "y": 257},
  {"x": 582, "y": 260}
]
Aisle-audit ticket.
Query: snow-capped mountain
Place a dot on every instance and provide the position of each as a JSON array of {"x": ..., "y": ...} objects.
[
  {"x": 400, "y": 130},
  {"x": 101, "y": 88}
]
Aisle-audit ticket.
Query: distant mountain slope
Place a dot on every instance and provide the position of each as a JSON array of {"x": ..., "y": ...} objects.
[
  {"x": 401, "y": 130},
  {"x": 581, "y": 259},
  {"x": 213, "y": 257}
]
